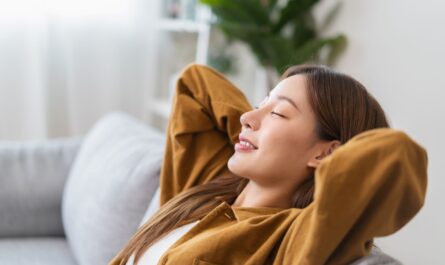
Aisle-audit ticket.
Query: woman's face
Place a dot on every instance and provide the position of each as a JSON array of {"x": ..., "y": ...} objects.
[{"x": 282, "y": 131}]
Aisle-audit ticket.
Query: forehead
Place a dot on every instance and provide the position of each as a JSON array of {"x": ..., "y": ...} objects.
[{"x": 293, "y": 87}]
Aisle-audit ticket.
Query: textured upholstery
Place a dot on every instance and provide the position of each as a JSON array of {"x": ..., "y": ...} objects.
[{"x": 32, "y": 178}]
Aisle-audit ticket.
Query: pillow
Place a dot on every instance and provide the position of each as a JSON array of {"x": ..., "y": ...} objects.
[
  {"x": 110, "y": 186},
  {"x": 154, "y": 206}
]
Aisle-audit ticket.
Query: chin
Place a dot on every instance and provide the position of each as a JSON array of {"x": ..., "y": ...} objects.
[
  {"x": 236, "y": 169},
  {"x": 230, "y": 166},
  {"x": 233, "y": 167}
]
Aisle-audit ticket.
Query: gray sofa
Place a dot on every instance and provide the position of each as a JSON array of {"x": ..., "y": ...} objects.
[{"x": 78, "y": 200}]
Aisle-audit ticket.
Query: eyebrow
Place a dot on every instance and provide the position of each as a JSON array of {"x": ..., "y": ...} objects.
[{"x": 281, "y": 97}]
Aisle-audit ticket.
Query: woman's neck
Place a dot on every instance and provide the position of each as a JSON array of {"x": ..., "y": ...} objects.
[{"x": 256, "y": 196}]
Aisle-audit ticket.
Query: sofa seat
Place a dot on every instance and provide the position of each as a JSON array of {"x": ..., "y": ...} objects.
[{"x": 35, "y": 251}]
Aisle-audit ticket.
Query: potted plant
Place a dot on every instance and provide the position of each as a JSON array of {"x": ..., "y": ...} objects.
[{"x": 279, "y": 33}]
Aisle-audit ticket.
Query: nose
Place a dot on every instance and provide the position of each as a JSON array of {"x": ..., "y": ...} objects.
[{"x": 249, "y": 120}]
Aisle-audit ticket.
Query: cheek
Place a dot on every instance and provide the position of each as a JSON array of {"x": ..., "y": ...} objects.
[
  {"x": 280, "y": 152},
  {"x": 282, "y": 141},
  {"x": 276, "y": 153},
  {"x": 285, "y": 148}
]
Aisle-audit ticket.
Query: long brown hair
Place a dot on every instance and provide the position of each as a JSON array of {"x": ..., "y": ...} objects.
[{"x": 343, "y": 108}]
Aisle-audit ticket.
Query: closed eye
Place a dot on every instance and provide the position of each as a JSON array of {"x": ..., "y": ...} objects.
[
  {"x": 273, "y": 113},
  {"x": 278, "y": 114}
]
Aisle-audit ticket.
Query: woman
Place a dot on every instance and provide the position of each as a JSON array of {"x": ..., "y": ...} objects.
[{"x": 305, "y": 178}]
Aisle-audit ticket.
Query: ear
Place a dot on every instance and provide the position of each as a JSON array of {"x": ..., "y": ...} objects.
[{"x": 325, "y": 150}]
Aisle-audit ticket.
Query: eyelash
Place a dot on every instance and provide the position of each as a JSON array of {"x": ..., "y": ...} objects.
[
  {"x": 273, "y": 113},
  {"x": 277, "y": 114}
]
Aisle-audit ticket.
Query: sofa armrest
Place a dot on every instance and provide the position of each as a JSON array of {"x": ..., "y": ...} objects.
[{"x": 32, "y": 178}]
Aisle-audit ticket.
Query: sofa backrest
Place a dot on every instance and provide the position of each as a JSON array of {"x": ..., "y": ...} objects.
[{"x": 32, "y": 177}]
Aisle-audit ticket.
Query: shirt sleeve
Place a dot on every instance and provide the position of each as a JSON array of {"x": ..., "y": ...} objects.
[
  {"x": 202, "y": 129},
  {"x": 370, "y": 187}
]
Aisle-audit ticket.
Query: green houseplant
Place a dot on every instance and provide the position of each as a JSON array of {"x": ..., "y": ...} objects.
[{"x": 279, "y": 33}]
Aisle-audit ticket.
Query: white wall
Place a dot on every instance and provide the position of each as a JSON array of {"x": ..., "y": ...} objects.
[{"x": 397, "y": 50}]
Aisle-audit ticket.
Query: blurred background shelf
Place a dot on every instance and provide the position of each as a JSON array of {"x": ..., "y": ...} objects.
[
  {"x": 183, "y": 25},
  {"x": 183, "y": 38}
]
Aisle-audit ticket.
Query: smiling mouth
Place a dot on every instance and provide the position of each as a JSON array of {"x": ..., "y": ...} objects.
[{"x": 247, "y": 144}]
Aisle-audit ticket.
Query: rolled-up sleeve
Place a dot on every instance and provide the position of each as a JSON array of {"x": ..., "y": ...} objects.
[{"x": 202, "y": 130}]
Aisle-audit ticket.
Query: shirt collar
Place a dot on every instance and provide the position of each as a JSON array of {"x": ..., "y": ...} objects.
[{"x": 242, "y": 213}]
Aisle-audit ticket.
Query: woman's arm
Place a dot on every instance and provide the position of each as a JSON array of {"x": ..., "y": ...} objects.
[
  {"x": 370, "y": 187},
  {"x": 203, "y": 127}
]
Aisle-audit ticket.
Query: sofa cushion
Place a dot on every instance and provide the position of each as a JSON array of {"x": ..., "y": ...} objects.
[
  {"x": 110, "y": 186},
  {"x": 35, "y": 251},
  {"x": 32, "y": 179}
]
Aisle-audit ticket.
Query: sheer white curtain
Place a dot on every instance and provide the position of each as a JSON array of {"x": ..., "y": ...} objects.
[{"x": 65, "y": 63}]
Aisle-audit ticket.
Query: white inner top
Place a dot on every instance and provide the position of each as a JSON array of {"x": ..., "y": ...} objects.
[{"x": 154, "y": 253}]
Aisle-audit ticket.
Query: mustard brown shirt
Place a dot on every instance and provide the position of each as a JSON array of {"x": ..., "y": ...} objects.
[{"x": 369, "y": 187}]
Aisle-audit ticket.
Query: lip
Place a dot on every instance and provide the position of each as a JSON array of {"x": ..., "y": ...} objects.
[
  {"x": 242, "y": 138},
  {"x": 241, "y": 148}
]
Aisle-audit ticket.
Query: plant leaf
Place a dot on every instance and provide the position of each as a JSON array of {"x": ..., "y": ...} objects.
[{"x": 294, "y": 8}]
